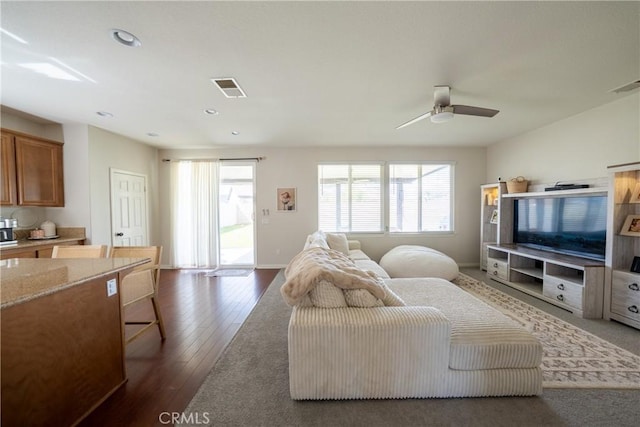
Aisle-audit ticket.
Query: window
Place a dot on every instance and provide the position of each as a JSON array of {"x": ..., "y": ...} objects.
[
  {"x": 350, "y": 197},
  {"x": 420, "y": 197}
]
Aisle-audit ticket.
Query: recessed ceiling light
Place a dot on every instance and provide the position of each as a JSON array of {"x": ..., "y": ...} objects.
[
  {"x": 104, "y": 114},
  {"x": 152, "y": 134},
  {"x": 125, "y": 38},
  {"x": 235, "y": 132},
  {"x": 211, "y": 111}
]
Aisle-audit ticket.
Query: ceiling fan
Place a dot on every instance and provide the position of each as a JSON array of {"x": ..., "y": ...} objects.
[{"x": 443, "y": 111}]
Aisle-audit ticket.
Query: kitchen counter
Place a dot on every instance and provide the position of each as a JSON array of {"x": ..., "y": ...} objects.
[
  {"x": 25, "y": 278},
  {"x": 28, "y": 243},
  {"x": 41, "y": 248},
  {"x": 62, "y": 331}
]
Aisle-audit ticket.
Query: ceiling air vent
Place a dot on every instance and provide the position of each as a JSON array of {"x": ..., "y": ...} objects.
[
  {"x": 229, "y": 87},
  {"x": 626, "y": 88}
]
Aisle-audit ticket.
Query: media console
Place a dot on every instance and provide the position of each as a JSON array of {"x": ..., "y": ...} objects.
[{"x": 572, "y": 283}]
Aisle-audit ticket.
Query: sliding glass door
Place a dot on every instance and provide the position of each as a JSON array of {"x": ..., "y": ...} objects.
[{"x": 236, "y": 214}]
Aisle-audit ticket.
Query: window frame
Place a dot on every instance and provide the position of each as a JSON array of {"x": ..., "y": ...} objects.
[
  {"x": 383, "y": 181},
  {"x": 452, "y": 187},
  {"x": 385, "y": 208}
]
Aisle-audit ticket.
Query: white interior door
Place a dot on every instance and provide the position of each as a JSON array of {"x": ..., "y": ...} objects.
[{"x": 128, "y": 209}]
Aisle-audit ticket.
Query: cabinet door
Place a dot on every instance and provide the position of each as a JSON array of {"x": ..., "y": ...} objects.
[
  {"x": 8, "y": 172},
  {"x": 39, "y": 172}
]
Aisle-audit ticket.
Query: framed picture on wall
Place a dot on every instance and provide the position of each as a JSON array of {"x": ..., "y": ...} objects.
[
  {"x": 286, "y": 199},
  {"x": 631, "y": 226}
]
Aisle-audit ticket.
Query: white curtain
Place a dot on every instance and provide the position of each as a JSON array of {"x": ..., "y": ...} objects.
[{"x": 194, "y": 221}]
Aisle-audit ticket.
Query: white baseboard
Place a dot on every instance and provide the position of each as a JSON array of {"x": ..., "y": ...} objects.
[{"x": 270, "y": 266}]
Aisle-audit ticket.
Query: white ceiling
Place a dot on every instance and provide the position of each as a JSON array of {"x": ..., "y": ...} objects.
[{"x": 318, "y": 73}]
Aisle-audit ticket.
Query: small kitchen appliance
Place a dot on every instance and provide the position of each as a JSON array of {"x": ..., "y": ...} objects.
[{"x": 6, "y": 232}]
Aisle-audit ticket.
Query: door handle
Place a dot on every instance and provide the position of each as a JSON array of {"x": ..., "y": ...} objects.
[{"x": 120, "y": 234}]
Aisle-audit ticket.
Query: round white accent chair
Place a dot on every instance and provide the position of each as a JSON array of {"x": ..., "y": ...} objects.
[{"x": 418, "y": 261}]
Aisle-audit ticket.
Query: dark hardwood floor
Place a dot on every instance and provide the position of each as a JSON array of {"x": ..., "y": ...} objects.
[{"x": 201, "y": 315}]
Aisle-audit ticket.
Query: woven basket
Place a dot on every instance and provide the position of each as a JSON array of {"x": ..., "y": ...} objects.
[{"x": 517, "y": 185}]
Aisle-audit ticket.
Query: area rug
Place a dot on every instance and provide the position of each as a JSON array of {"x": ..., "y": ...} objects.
[
  {"x": 230, "y": 272},
  {"x": 572, "y": 357},
  {"x": 249, "y": 386}
]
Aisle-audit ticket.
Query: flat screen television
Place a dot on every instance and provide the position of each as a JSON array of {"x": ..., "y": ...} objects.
[{"x": 569, "y": 225}]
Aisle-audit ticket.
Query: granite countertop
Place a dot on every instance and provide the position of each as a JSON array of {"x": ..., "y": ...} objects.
[
  {"x": 67, "y": 234},
  {"x": 26, "y": 243},
  {"x": 24, "y": 279}
]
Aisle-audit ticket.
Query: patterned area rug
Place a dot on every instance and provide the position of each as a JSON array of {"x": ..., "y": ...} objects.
[{"x": 572, "y": 357}]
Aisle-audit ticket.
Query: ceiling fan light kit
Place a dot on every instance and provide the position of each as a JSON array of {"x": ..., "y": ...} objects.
[
  {"x": 443, "y": 111},
  {"x": 441, "y": 115}
]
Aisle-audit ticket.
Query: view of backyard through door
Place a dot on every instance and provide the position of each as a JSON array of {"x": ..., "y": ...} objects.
[{"x": 236, "y": 214}]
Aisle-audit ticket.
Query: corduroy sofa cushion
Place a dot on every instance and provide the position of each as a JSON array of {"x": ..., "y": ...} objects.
[{"x": 481, "y": 336}]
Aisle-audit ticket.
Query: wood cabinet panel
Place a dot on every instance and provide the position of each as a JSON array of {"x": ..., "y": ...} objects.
[
  {"x": 18, "y": 253},
  {"x": 8, "y": 172},
  {"x": 62, "y": 354},
  {"x": 39, "y": 172},
  {"x": 42, "y": 250}
]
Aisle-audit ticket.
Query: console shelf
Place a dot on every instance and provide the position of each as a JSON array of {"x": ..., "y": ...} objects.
[
  {"x": 622, "y": 286},
  {"x": 572, "y": 283}
]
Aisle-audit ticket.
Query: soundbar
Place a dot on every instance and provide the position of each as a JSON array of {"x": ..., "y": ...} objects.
[{"x": 566, "y": 187}]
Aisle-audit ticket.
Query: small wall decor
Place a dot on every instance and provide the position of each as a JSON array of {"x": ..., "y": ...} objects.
[
  {"x": 286, "y": 199},
  {"x": 494, "y": 217},
  {"x": 631, "y": 226},
  {"x": 635, "y": 196}
]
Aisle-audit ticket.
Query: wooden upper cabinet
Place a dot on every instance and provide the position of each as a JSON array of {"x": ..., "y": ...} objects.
[
  {"x": 39, "y": 175},
  {"x": 8, "y": 171}
]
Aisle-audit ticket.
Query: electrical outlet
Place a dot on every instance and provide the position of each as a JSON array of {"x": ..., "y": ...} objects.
[{"x": 112, "y": 287}]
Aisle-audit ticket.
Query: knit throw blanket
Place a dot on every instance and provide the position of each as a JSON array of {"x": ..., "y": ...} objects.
[{"x": 313, "y": 265}]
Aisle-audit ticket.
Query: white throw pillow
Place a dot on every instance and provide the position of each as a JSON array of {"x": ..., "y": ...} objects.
[
  {"x": 326, "y": 295},
  {"x": 338, "y": 242},
  {"x": 315, "y": 240}
]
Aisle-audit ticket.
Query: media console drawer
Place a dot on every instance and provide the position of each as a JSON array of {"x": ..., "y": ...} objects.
[
  {"x": 498, "y": 268},
  {"x": 562, "y": 290},
  {"x": 625, "y": 295}
]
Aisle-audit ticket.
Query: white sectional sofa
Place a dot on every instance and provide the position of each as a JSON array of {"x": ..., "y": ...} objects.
[{"x": 418, "y": 338}]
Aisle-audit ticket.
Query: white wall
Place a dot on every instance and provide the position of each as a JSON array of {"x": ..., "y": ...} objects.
[
  {"x": 76, "y": 211},
  {"x": 283, "y": 237},
  {"x": 579, "y": 147},
  {"x": 109, "y": 150},
  {"x": 42, "y": 129}
]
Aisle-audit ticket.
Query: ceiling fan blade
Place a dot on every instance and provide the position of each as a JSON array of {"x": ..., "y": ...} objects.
[
  {"x": 474, "y": 111},
  {"x": 417, "y": 119},
  {"x": 441, "y": 96}
]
